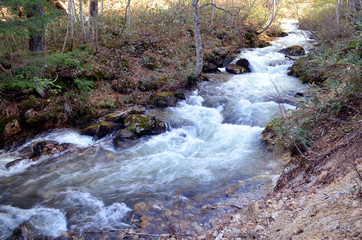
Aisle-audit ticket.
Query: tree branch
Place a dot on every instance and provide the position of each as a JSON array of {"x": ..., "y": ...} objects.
[{"x": 220, "y": 8}]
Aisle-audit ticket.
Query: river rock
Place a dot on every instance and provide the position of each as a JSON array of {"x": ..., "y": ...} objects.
[
  {"x": 228, "y": 59},
  {"x": 217, "y": 56},
  {"x": 163, "y": 99},
  {"x": 48, "y": 147},
  {"x": 295, "y": 50},
  {"x": 101, "y": 129},
  {"x": 214, "y": 102},
  {"x": 120, "y": 115},
  {"x": 235, "y": 69},
  {"x": 243, "y": 62},
  {"x": 144, "y": 124},
  {"x": 24, "y": 231},
  {"x": 209, "y": 67},
  {"x": 30, "y": 113},
  {"x": 12, "y": 128}
]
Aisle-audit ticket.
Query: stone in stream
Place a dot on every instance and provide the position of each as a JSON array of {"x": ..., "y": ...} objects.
[
  {"x": 138, "y": 125},
  {"x": 295, "y": 50},
  {"x": 164, "y": 99},
  {"x": 243, "y": 62},
  {"x": 101, "y": 129},
  {"x": 48, "y": 147},
  {"x": 236, "y": 69}
]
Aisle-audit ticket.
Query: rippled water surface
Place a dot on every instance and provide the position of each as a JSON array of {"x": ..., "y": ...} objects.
[{"x": 211, "y": 151}]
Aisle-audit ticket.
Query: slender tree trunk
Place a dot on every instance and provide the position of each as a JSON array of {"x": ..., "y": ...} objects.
[
  {"x": 82, "y": 20},
  {"x": 198, "y": 41},
  {"x": 94, "y": 16},
  {"x": 102, "y": 8},
  {"x": 72, "y": 13},
  {"x": 338, "y": 16},
  {"x": 212, "y": 13},
  {"x": 67, "y": 33},
  {"x": 129, "y": 13}
]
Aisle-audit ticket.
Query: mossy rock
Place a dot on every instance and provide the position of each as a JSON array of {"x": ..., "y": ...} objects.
[
  {"x": 295, "y": 50},
  {"x": 101, "y": 129},
  {"x": 307, "y": 72},
  {"x": 120, "y": 115},
  {"x": 236, "y": 69},
  {"x": 141, "y": 124},
  {"x": 150, "y": 84},
  {"x": 217, "y": 56},
  {"x": 163, "y": 99}
]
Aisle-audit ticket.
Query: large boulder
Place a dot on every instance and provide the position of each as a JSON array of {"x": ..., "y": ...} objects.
[
  {"x": 217, "y": 56},
  {"x": 145, "y": 124},
  {"x": 295, "y": 50},
  {"x": 164, "y": 99},
  {"x": 138, "y": 125},
  {"x": 236, "y": 69},
  {"x": 101, "y": 129},
  {"x": 243, "y": 62},
  {"x": 209, "y": 67}
]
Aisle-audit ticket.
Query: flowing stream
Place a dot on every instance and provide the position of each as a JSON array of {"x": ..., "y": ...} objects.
[{"x": 212, "y": 151}]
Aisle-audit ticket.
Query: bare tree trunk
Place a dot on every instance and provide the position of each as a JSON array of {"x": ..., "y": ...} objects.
[
  {"x": 72, "y": 13},
  {"x": 129, "y": 13},
  {"x": 102, "y": 8},
  {"x": 94, "y": 16},
  {"x": 198, "y": 41},
  {"x": 82, "y": 20},
  {"x": 271, "y": 19},
  {"x": 212, "y": 13},
  {"x": 67, "y": 33},
  {"x": 338, "y": 16}
]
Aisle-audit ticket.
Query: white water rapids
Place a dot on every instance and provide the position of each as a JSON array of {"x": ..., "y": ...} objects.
[{"x": 213, "y": 142}]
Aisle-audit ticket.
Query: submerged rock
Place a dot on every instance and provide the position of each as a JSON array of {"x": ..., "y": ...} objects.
[
  {"x": 236, "y": 69},
  {"x": 295, "y": 50},
  {"x": 164, "y": 99},
  {"x": 210, "y": 67}
]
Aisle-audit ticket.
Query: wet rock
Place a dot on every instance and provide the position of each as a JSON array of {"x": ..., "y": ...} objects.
[
  {"x": 217, "y": 56},
  {"x": 144, "y": 124},
  {"x": 13, "y": 163},
  {"x": 276, "y": 33},
  {"x": 48, "y": 147},
  {"x": 125, "y": 138},
  {"x": 180, "y": 95},
  {"x": 207, "y": 207},
  {"x": 214, "y": 102},
  {"x": 235, "y": 69},
  {"x": 243, "y": 62},
  {"x": 12, "y": 128},
  {"x": 120, "y": 115},
  {"x": 163, "y": 99},
  {"x": 295, "y": 50},
  {"x": 101, "y": 129},
  {"x": 138, "y": 125},
  {"x": 228, "y": 59},
  {"x": 299, "y": 94},
  {"x": 23, "y": 232},
  {"x": 210, "y": 67},
  {"x": 141, "y": 207}
]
